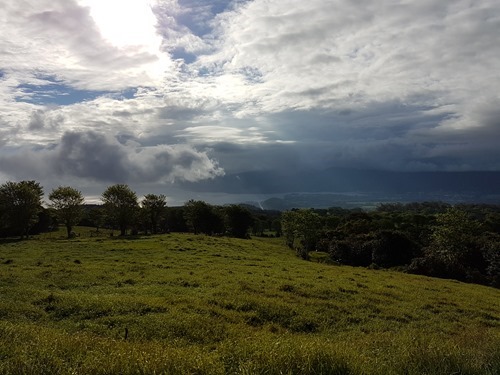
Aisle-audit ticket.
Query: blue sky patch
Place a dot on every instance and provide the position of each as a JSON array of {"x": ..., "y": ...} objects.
[
  {"x": 180, "y": 53},
  {"x": 125, "y": 94},
  {"x": 200, "y": 13},
  {"x": 55, "y": 93},
  {"x": 58, "y": 93}
]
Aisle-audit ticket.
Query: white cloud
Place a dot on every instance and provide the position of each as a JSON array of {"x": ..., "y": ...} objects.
[
  {"x": 61, "y": 38},
  {"x": 320, "y": 54},
  {"x": 125, "y": 23},
  {"x": 217, "y": 134}
]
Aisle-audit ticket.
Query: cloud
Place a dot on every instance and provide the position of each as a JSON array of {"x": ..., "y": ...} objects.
[
  {"x": 247, "y": 86},
  {"x": 95, "y": 156},
  {"x": 61, "y": 38},
  {"x": 314, "y": 54},
  {"x": 37, "y": 120},
  {"x": 41, "y": 120},
  {"x": 217, "y": 134}
]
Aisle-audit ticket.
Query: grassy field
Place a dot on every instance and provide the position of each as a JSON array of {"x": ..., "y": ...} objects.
[{"x": 186, "y": 304}]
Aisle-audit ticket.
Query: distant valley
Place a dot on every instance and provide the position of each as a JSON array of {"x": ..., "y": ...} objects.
[{"x": 351, "y": 188}]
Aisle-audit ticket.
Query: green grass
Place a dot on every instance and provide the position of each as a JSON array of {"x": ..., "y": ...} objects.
[{"x": 186, "y": 304}]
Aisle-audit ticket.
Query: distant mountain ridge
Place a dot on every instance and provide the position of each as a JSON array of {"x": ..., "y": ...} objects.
[
  {"x": 350, "y": 188},
  {"x": 344, "y": 180}
]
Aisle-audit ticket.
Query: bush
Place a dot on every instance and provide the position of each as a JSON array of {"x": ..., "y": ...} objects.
[
  {"x": 354, "y": 251},
  {"x": 392, "y": 248},
  {"x": 428, "y": 266},
  {"x": 491, "y": 253}
]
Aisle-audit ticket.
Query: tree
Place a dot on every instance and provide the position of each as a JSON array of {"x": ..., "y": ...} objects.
[
  {"x": 46, "y": 221},
  {"x": 258, "y": 227},
  {"x": 20, "y": 203},
  {"x": 276, "y": 227},
  {"x": 392, "y": 248},
  {"x": 175, "y": 220},
  {"x": 454, "y": 236},
  {"x": 454, "y": 250},
  {"x": 67, "y": 202},
  {"x": 490, "y": 248},
  {"x": 203, "y": 218},
  {"x": 289, "y": 227},
  {"x": 121, "y": 206},
  {"x": 238, "y": 220},
  {"x": 303, "y": 225},
  {"x": 154, "y": 207},
  {"x": 97, "y": 217}
]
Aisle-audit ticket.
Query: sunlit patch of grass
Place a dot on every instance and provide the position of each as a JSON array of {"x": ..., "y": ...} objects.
[{"x": 185, "y": 304}]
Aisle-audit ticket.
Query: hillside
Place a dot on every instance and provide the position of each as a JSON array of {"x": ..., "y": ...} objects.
[{"x": 186, "y": 304}]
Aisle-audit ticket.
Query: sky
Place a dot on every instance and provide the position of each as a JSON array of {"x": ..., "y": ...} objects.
[{"x": 169, "y": 96}]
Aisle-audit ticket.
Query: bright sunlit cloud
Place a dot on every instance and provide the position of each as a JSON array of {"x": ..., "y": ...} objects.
[{"x": 125, "y": 23}]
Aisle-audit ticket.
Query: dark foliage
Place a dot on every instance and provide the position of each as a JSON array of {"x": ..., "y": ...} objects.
[
  {"x": 202, "y": 217},
  {"x": 238, "y": 220},
  {"x": 20, "y": 204},
  {"x": 392, "y": 248},
  {"x": 431, "y": 238},
  {"x": 175, "y": 220},
  {"x": 354, "y": 251}
]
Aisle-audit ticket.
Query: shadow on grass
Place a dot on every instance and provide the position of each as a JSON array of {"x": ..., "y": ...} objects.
[
  {"x": 4, "y": 241},
  {"x": 131, "y": 237}
]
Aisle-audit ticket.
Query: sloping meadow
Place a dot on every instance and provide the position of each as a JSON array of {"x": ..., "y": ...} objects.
[{"x": 186, "y": 304}]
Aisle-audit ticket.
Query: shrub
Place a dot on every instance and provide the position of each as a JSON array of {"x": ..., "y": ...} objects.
[
  {"x": 392, "y": 248},
  {"x": 353, "y": 251}
]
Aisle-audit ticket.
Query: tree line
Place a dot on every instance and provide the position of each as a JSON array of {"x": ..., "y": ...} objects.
[
  {"x": 22, "y": 213},
  {"x": 435, "y": 239},
  {"x": 432, "y": 238}
]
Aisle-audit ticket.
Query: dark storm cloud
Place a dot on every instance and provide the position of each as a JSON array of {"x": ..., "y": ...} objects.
[
  {"x": 92, "y": 155},
  {"x": 258, "y": 157}
]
